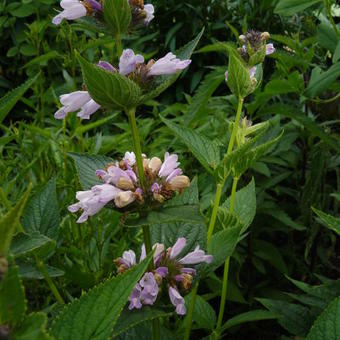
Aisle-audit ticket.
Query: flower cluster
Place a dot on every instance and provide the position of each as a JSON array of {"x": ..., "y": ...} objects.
[
  {"x": 121, "y": 185},
  {"x": 171, "y": 273},
  {"x": 75, "y": 9},
  {"x": 130, "y": 65}
]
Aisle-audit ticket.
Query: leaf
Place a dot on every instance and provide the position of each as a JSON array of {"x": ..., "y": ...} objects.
[
  {"x": 117, "y": 14},
  {"x": 41, "y": 214},
  {"x": 43, "y": 58},
  {"x": 328, "y": 221},
  {"x": 206, "y": 151},
  {"x": 33, "y": 327},
  {"x": 94, "y": 315},
  {"x": 10, "y": 99},
  {"x": 130, "y": 318},
  {"x": 253, "y": 315},
  {"x": 203, "y": 314},
  {"x": 327, "y": 325},
  {"x": 294, "y": 318},
  {"x": 208, "y": 86},
  {"x": 87, "y": 165},
  {"x": 222, "y": 245},
  {"x": 163, "y": 82},
  {"x": 12, "y": 297},
  {"x": 327, "y": 37},
  {"x": 320, "y": 81},
  {"x": 238, "y": 76},
  {"x": 9, "y": 222},
  {"x": 291, "y": 7},
  {"x": 244, "y": 205},
  {"x": 109, "y": 89},
  {"x": 30, "y": 271},
  {"x": 23, "y": 243}
]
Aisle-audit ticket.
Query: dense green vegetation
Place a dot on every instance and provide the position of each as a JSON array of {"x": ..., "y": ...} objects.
[{"x": 264, "y": 202}]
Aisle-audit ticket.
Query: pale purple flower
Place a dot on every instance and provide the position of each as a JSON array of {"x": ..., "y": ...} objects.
[
  {"x": 150, "y": 289},
  {"x": 157, "y": 247},
  {"x": 169, "y": 165},
  {"x": 162, "y": 271},
  {"x": 270, "y": 49},
  {"x": 177, "y": 300},
  {"x": 129, "y": 158},
  {"x": 95, "y": 5},
  {"x": 88, "y": 109},
  {"x": 149, "y": 10},
  {"x": 155, "y": 187},
  {"x": 106, "y": 66},
  {"x": 195, "y": 257},
  {"x": 168, "y": 65},
  {"x": 177, "y": 247},
  {"x": 91, "y": 201},
  {"x": 252, "y": 72},
  {"x": 135, "y": 297},
  {"x": 113, "y": 174},
  {"x": 128, "y": 61}
]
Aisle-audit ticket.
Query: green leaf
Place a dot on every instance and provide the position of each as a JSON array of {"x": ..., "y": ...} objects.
[
  {"x": 328, "y": 221},
  {"x": 95, "y": 314},
  {"x": 117, "y": 14},
  {"x": 30, "y": 271},
  {"x": 10, "y": 99},
  {"x": 205, "y": 150},
  {"x": 87, "y": 165},
  {"x": 244, "y": 205},
  {"x": 327, "y": 325},
  {"x": 254, "y": 315},
  {"x": 109, "y": 89},
  {"x": 203, "y": 315},
  {"x": 130, "y": 318},
  {"x": 43, "y": 58},
  {"x": 222, "y": 245},
  {"x": 12, "y": 297},
  {"x": 9, "y": 222},
  {"x": 294, "y": 318},
  {"x": 320, "y": 81},
  {"x": 23, "y": 243},
  {"x": 33, "y": 327},
  {"x": 291, "y": 7},
  {"x": 327, "y": 36},
  {"x": 163, "y": 82},
  {"x": 41, "y": 214},
  {"x": 238, "y": 76}
]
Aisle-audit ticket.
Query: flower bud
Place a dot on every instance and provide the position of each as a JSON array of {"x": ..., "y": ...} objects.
[
  {"x": 242, "y": 39},
  {"x": 124, "y": 198},
  {"x": 253, "y": 82},
  {"x": 158, "y": 197},
  {"x": 265, "y": 36},
  {"x": 186, "y": 281},
  {"x": 155, "y": 164},
  {"x": 158, "y": 278},
  {"x": 179, "y": 182},
  {"x": 125, "y": 183}
]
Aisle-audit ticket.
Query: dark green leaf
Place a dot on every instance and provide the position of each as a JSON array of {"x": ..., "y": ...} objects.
[
  {"x": 117, "y": 14},
  {"x": 23, "y": 243},
  {"x": 291, "y": 7},
  {"x": 328, "y": 221}
]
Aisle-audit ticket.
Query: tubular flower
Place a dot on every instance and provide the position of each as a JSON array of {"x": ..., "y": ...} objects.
[
  {"x": 74, "y": 9},
  {"x": 122, "y": 188},
  {"x": 170, "y": 274}
]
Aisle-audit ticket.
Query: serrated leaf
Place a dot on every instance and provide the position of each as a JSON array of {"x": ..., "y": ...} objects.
[
  {"x": 222, "y": 245},
  {"x": 87, "y": 165},
  {"x": 291, "y": 7},
  {"x": 33, "y": 327},
  {"x": 328, "y": 221},
  {"x": 117, "y": 14},
  {"x": 12, "y": 297},
  {"x": 10, "y": 99},
  {"x": 163, "y": 82},
  {"x": 9, "y": 222},
  {"x": 205, "y": 150},
  {"x": 95, "y": 314},
  {"x": 327, "y": 325},
  {"x": 41, "y": 214},
  {"x": 130, "y": 318},
  {"x": 109, "y": 89},
  {"x": 244, "y": 205}
]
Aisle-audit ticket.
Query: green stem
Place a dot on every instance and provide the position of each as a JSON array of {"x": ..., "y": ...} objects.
[
  {"x": 235, "y": 127},
  {"x": 156, "y": 329},
  {"x": 330, "y": 17},
  {"x": 119, "y": 46},
  {"x": 233, "y": 195},
  {"x": 42, "y": 268},
  {"x": 190, "y": 312},
  {"x": 214, "y": 212}
]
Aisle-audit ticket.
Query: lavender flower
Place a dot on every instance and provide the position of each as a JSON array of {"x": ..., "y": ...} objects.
[
  {"x": 168, "y": 65},
  {"x": 149, "y": 10},
  {"x": 177, "y": 300},
  {"x": 128, "y": 61},
  {"x": 270, "y": 49}
]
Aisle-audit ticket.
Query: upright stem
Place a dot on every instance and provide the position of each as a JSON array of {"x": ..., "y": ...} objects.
[
  {"x": 190, "y": 312},
  {"x": 119, "y": 45},
  {"x": 235, "y": 127},
  {"x": 214, "y": 212},
  {"x": 330, "y": 17}
]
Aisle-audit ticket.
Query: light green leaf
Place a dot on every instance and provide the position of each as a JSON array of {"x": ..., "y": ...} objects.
[
  {"x": 12, "y": 297},
  {"x": 95, "y": 314},
  {"x": 291, "y": 7},
  {"x": 87, "y": 165},
  {"x": 328, "y": 221},
  {"x": 117, "y": 14},
  {"x": 130, "y": 318},
  {"x": 163, "y": 82},
  {"x": 9, "y": 222},
  {"x": 109, "y": 89},
  {"x": 254, "y": 315},
  {"x": 10, "y": 99},
  {"x": 205, "y": 150},
  {"x": 327, "y": 37},
  {"x": 33, "y": 327},
  {"x": 327, "y": 325},
  {"x": 203, "y": 315}
]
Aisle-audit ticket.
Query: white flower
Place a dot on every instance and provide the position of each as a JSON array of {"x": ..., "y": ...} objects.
[
  {"x": 73, "y": 9},
  {"x": 168, "y": 65}
]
